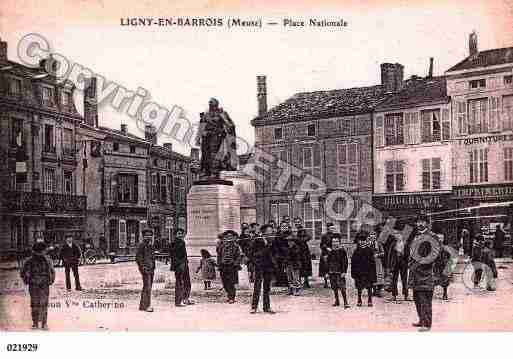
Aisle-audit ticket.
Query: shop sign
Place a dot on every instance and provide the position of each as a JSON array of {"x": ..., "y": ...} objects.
[
  {"x": 486, "y": 139},
  {"x": 412, "y": 202},
  {"x": 498, "y": 191}
]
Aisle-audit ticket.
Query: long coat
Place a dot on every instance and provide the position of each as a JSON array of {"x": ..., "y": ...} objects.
[
  {"x": 38, "y": 271},
  {"x": 363, "y": 267},
  {"x": 306, "y": 257},
  {"x": 70, "y": 255},
  {"x": 326, "y": 242}
]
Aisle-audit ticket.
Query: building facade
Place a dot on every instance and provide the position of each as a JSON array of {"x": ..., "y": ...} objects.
[
  {"x": 481, "y": 89},
  {"x": 38, "y": 156}
]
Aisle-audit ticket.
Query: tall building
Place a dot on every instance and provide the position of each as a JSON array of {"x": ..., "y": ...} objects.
[
  {"x": 325, "y": 134},
  {"x": 38, "y": 155},
  {"x": 481, "y": 89}
]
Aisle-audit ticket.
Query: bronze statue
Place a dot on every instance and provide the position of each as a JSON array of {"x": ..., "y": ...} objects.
[{"x": 216, "y": 136}]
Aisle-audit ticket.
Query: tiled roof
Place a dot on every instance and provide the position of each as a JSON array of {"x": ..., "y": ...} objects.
[
  {"x": 119, "y": 133},
  {"x": 324, "y": 104},
  {"x": 485, "y": 58},
  {"x": 417, "y": 91}
]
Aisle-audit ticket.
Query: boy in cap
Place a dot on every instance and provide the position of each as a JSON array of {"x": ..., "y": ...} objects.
[
  {"x": 228, "y": 261},
  {"x": 293, "y": 264},
  {"x": 145, "y": 259},
  {"x": 337, "y": 267},
  {"x": 39, "y": 275}
]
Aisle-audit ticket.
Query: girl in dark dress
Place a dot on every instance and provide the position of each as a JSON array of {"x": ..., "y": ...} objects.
[{"x": 363, "y": 266}]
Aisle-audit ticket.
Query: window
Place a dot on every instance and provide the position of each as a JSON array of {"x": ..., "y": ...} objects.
[
  {"x": 47, "y": 95},
  {"x": 477, "y": 116},
  {"x": 394, "y": 176},
  {"x": 279, "y": 155},
  {"x": 477, "y": 84},
  {"x": 431, "y": 174},
  {"x": 312, "y": 160},
  {"x": 171, "y": 188},
  {"x": 394, "y": 129},
  {"x": 49, "y": 185},
  {"x": 311, "y": 129},
  {"x": 279, "y": 210},
  {"x": 507, "y": 112},
  {"x": 347, "y": 227},
  {"x": 155, "y": 186},
  {"x": 128, "y": 188},
  {"x": 411, "y": 128},
  {"x": 446, "y": 125},
  {"x": 461, "y": 117},
  {"x": 132, "y": 229},
  {"x": 494, "y": 114},
  {"x": 278, "y": 133},
  {"x": 115, "y": 146},
  {"x": 378, "y": 136},
  {"x": 66, "y": 98},
  {"x": 15, "y": 87},
  {"x": 68, "y": 182},
  {"x": 348, "y": 165},
  {"x": 508, "y": 164},
  {"x": 17, "y": 138},
  {"x": 163, "y": 188},
  {"x": 49, "y": 145},
  {"x": 67, "y": 144},
  {"x": 431, "y": 127},
  {"x": 508, "y": 80},
  {"x": 478, "y": 165},
  {"x": 168, "y": 165},
  {"x": 313, "y": 219},
  {"x": 132, "y": 149}
]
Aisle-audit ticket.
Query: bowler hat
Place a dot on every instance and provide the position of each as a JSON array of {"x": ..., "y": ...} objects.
[{"x": 147, "y": 232}]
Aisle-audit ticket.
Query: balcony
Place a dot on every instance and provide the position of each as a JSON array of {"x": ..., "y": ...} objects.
[{"x": 15, "y": 201}]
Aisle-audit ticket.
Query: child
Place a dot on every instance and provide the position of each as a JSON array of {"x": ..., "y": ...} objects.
[
  {"x": 337, "y": 267},
  {"x": 363, "y": 267},
  {"x": 208, "y": 269},
  {"x": 39, "y": 275},
  {"x": 293, "y": 265},
  {"x": 490, "y": 269},
  {"x": 441, "y": 269}
]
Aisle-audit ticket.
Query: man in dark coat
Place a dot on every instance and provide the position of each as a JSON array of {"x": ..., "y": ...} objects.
[
  {"x": 39, "y": 275},
  {"x": 260, "y": 255},
  {"x": 292, "y": 263},
  {"x": 337, "y": 266},
  {"x": 70, "y": 255},
  {"x": 145, "y": 259},
  {"x": 363, "y": 267},
  {"x": 180, "y": 265},
  {"x": 326, "y": 243},
  {"x": 303, "y": 238},
  {"x": 280, "y": 252},
  {"x": 398, "y": 255},
  {"x": 244, "y": 241},
  {"x": 500, "y": 237},
  {"x": 424, "y": 251},
  {"x": 228, "y": 261}
]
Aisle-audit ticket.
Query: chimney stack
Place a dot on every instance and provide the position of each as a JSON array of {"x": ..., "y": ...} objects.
[
  {"x": 392, "y": 77},
  {"x": 195, "y": 154},
  {"x": 261, "y": 95},
  {"x": 472, "y": 44},
  {"x": 168, "y": 146},
  {"x": 430, "y": 73},
  {"x": 124, "y": 128},
  {"x": 150, "y": 134},
  {"x": 3, "y": 50},
  {"x": 91, "y": 104}
]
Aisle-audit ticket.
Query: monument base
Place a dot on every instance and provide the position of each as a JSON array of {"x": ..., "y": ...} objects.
[{"x": 211, "y": 210}]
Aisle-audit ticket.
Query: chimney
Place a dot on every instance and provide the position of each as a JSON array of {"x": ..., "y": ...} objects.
[
  {"x": 472, "y": 44},
  {"x": 3, "y": 50},
  {"x": 261, "y": 95},
  {"x": 150, "y": 134},
  {"x": 168, "y": 146},
  {"x": 91, "y": 104},
  {"x": 124, "y": 128},
  {"x": 392, "y": 77},
  {"x": 195, "y": 154},
  {"x": 430, "y": 73}
]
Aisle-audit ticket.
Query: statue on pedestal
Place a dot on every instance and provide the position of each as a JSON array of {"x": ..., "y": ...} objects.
[{"x": 216, "y": 138}]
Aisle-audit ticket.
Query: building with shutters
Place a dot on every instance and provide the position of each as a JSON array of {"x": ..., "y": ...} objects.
[
  {"x": 481, "y": 89},
  {"x": 326, "y": 134},
  {"x": 38, "y": 156},
  {"x": 412, "y": 148}
]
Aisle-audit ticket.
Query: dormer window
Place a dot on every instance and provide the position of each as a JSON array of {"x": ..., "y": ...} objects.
[
  {"x": 477, "y": 84},
  {"x": 278, "y": 133}
]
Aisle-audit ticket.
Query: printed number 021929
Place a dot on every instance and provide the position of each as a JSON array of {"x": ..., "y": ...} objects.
[{"x": 22, "y": 347}]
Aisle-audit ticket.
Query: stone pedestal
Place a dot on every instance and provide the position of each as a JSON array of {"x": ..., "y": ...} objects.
[{"x": 211, "y": 209}]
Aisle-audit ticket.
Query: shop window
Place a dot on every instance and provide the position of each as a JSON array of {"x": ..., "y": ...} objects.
[
  {"x": 478, "y": 165},
  {"x": 348, "y": 165},
  {"x": 394, "y": 176}
]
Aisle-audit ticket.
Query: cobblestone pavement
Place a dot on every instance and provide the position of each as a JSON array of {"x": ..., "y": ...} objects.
[{"x": 111, "y": 296}]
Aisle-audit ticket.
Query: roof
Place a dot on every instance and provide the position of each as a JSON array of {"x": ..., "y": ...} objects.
[
  {"x": 485, "y": 58},
  {"x": 119, "y": 133},
  {"x": 324, "y": 104},
  {"x": 417, "y": 91},
  {"x": 162, "y": 151}
]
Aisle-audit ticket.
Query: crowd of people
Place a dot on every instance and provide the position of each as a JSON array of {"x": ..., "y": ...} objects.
[{"x": 281, "y": 256}]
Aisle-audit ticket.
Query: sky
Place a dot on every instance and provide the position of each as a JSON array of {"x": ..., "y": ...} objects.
[{"x": 187, "y": 66}]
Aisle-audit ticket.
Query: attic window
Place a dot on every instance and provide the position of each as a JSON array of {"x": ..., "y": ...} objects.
[
  {"x": 278, "y": 133},
  {"x": 311, "y": 130}
]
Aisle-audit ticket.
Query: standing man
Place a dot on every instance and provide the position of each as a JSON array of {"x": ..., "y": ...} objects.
[
  {"x": 398, "y": 264},
  {"x": 145, "y": 259},
  {"x": 425, "y": 250},
  {"x": 306, "y": 257},
  {"x": 228, "y": 261},
  {"x": 326, "y": 244},
  {"x": 499, "y": 241},
  {"x": 261, "y": 258},
  {"x": 180, "y": 265},
  {"x": 70, "y": 255}
]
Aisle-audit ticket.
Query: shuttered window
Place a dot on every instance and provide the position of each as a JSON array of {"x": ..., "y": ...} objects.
[
  {"x": 507, "y": 112},
  {"x": 461, "y": 117},
  {"x": 431, "y": 174},
  {"x": 348, "y": 164},
  {"x": 378, "y": 136}
]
